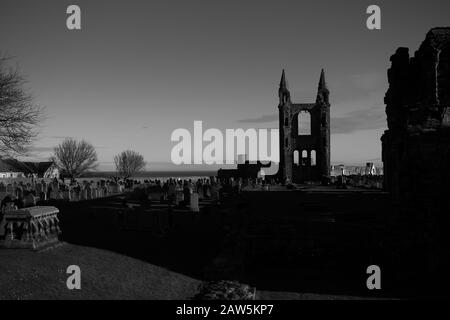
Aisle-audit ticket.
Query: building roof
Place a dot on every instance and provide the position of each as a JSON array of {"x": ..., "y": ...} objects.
[
  {"x": 38, "y": 167},
  {"x": 13, "y": 165}
]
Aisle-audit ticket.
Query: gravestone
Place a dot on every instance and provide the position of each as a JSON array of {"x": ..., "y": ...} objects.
[
  {"x": 83, "y": 195},
  {"x": 74, "y": 194},
  {"x": 44, "y": 187},
  {"x": 194, "y": 202},
  {"x": 19, "y": 192},
  {"x": 3, "y": 192},
  {"x": 43, "y": 196},
  {"x": 179, "y": 197},
  {"x": 67, "y": 195},
  {"x": 38, "y": 188},
  {"x": 88, "y": 192},
  {"x": 29, "y": 200},
  {"x": 54, "y": 195}
]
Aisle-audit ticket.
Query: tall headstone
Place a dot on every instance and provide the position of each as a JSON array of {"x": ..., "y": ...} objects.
[
  {"x": 83, "y": 195},
  {"x": 194, "y": 207}
]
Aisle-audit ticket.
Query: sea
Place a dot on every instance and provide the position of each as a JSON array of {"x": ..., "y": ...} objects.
[{"x": 151, "y": 175}]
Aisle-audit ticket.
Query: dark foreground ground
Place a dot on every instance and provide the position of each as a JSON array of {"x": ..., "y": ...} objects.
[
  {"x": 312, "y": 243},
  {"x": 104, "y": 274}
]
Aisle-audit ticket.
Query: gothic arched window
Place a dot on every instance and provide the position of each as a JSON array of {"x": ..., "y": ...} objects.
[
  {"x": 304, "y": 123},
  {"x": 313, "y": 157},
  {"x": 304, "y": 158},
  {"x": 296, "y": 157}
]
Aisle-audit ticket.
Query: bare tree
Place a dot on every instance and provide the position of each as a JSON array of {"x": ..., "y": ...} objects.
[
  {"x": 128, "y": 163},
  {"x": 19, "y": 116},
  {"x": 74, "y": 158}
]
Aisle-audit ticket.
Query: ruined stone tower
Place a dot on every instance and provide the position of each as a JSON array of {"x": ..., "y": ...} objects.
[
  {"x": 304, "y": 135},
  {"x": 416, "y": 148}
]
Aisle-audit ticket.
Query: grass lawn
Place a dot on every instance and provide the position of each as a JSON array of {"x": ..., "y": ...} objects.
[{"x": 26, "y": 274}]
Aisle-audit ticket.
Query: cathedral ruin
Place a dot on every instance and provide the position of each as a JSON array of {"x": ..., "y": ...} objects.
[
  {"x": 416, "y": 148},
  {"x": 304, "y": 136}
]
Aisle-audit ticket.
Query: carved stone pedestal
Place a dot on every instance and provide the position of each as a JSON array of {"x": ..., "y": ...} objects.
[{"x": 32, "y": 227}]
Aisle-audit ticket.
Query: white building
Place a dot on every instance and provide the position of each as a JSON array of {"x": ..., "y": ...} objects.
[{"x": 12, "y": 168}]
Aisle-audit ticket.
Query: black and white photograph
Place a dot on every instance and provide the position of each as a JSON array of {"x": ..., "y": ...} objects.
[{"x": 226, "y": 156}]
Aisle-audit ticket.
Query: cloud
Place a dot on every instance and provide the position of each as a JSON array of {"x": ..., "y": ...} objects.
[
  {"x": 378, "y": 159},
  {"x": 36, "y": 151},
  {"x": 367, "y": 82},
  {"x": 261, "y": 119},
  {"x": 363, "y": 119},
  {"x": 41, "y": 149},
  {"x": 356, "y": 120}
]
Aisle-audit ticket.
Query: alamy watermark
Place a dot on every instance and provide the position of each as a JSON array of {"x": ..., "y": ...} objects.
[
  {"x": 74, "y": 280},
  {"x": 240, "y": 145},
  {"x": 73, "y": 21}
]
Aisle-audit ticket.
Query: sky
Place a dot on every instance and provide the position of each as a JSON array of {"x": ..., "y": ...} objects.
[{"x": 138, "y": 70}]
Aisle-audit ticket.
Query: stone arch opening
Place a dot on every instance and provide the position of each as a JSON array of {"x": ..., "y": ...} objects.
[
  {"x": 296, "y": 156},
  {"x": 313, "y": 158},
  {"x": 304, "y": 123},
  {"x": 304, "y": 158}
]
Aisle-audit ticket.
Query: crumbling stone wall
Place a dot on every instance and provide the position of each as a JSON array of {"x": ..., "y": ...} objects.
[{"x": 416, "y": 146}]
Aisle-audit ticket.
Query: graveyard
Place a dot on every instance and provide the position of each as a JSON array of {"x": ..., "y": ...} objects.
[
  {"x": 300, "y": 233},
  {"x": 307, "y": 242}
]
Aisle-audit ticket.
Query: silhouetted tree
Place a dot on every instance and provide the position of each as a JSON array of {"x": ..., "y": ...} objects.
[
  {"x": 19, "y": 116},
  {"x": 128, "y": 163},
  {"x": 74, "y": 158}
]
